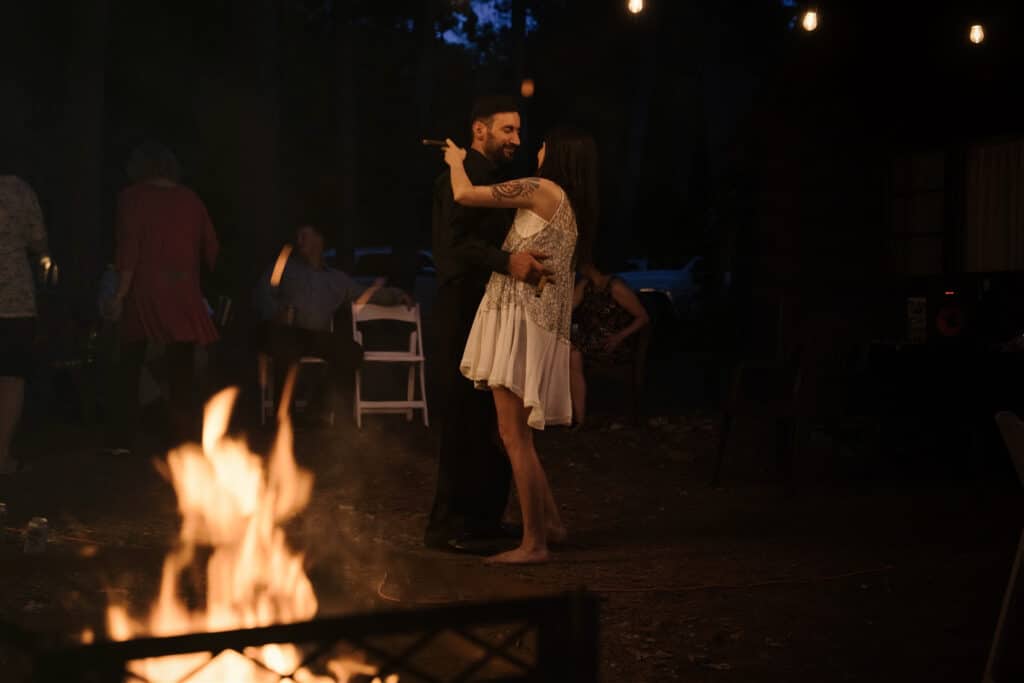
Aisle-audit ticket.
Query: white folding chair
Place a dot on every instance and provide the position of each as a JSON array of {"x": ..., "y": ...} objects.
[
  {"x": 266, "y": 379},
  {"x": 413, "y": 357}
]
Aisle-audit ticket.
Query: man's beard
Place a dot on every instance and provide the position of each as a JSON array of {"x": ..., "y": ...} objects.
[{"x": 499, "y": 154}]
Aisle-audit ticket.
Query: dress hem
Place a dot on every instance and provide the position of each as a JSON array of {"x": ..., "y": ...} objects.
[{"x": 482, "y": 384}]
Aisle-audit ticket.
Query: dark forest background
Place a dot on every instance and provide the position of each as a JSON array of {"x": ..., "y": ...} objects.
[{"x": 725, "y": 130}]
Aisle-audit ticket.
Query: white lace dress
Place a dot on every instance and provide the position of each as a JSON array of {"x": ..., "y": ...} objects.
[{"x": 520, "y": 340}]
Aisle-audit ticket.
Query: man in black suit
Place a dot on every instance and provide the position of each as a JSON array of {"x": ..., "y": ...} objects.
[{"x": 473, "y": 470}]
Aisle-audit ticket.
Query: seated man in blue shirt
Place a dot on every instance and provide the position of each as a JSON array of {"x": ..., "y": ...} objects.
[{"x": 298, "y": 314}]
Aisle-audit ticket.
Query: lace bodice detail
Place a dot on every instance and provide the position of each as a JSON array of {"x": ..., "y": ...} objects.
[{"x": 552, "y": 310}]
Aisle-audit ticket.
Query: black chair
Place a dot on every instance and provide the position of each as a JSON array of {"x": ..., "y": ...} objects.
[
  {"x": 805, "y": 379},
  {"x": 763, "y": 380}
]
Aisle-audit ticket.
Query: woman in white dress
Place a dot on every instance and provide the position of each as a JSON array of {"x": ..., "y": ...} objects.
[{"x": 519, "y": 346}]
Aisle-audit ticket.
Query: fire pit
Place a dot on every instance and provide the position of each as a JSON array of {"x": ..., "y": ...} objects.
[
  {"x": 256, "y": 622},
  {"x": 541, "y": 639}
]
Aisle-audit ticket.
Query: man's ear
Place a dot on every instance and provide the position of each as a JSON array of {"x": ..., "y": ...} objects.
[{"x": 479, "y": 130}]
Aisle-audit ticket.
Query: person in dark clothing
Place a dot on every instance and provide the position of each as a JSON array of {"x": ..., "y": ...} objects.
[
  {"x": 606, "y": 318},
  {"x": 473, "y": 473},
  {"x": 298, "y": 312}
]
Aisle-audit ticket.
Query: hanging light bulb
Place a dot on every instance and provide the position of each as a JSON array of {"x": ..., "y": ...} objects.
[
  {"x": 635, "y": 6},
  {"x": 809, "y": 20},
  {"x": 977, "y": 34},
  {"x": 527, "y": 87}
]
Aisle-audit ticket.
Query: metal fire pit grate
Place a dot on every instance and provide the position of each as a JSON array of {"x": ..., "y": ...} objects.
[{"x": 538, "y": 639}]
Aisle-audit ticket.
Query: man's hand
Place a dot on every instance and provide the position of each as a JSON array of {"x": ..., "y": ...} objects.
[
  {"x": 453, "y": 154},
  {"x": 527, "y": 266}
]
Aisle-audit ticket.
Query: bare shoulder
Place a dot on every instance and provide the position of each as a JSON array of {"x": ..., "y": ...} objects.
[
  {"x": 618, "y": 286},
  {"x": 616, "y": 282}
]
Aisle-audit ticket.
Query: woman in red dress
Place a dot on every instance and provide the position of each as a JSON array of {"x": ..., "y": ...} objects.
[{"x": 164, "y": 236}]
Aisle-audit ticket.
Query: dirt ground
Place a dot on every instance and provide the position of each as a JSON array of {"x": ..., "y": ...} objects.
[{"x": 861, "y": 575}]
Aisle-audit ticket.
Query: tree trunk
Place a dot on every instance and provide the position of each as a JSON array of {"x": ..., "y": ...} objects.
[
  {"x": 646, "y": 62},
  {"x": 519, "y": 38},
  {"x": 420, "y": 173},
  {"x": 425, "y": 70},
  {"x": 258, "y": 75},
  {"x": 519, "y": 66},
  {"x": 345, "y": 133},
  {"x": 79, "y": 213}
]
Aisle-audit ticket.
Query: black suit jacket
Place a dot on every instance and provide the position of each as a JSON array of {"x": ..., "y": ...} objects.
[{"x": 467, "y": 241}]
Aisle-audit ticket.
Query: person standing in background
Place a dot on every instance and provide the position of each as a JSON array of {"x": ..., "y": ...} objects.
[
  {"x": 164, "y": 237},
  {"x": 607, "y": 317},
  {"x": 21, "y": 232}
]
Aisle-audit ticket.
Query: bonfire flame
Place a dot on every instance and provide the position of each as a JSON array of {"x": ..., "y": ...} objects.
[{"x": 231, "y": 503}]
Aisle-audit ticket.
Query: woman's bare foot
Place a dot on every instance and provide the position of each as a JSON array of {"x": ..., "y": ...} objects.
[{"x": 520, "y": 556}]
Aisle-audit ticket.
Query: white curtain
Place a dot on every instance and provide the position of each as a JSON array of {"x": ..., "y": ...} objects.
[{"x": 995, "y": 207}]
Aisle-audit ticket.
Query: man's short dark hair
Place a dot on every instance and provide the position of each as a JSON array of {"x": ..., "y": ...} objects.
[
  {"x": 316, "y": 227},
  {"x": 318, "y": 222},
  {"x": 484, "y": 108}
]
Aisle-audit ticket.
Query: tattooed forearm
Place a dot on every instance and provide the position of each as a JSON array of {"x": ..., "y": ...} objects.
[{"x": 515, "y": 188}]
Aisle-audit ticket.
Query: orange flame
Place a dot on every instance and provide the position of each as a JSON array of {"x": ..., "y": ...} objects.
[{"x": 231, "y": 503}]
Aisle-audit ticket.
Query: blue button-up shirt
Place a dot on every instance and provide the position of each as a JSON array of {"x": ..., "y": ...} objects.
[{"x": 314, "y": 293}]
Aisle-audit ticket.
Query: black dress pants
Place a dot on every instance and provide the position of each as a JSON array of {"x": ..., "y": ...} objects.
[
  {"x": 474, "y": 474},
  {"x": 286, "y": 345}
]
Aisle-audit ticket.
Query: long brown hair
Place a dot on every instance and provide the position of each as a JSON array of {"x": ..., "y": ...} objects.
[{"x": 570, "y": 160}]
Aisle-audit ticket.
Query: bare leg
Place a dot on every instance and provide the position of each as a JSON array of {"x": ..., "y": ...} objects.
[
  {"x": 531, "y": 482},
  {"x": 12, "y": 397},
  {"x": 578, "y": 387},
  {"x": 553, "y": 526}
]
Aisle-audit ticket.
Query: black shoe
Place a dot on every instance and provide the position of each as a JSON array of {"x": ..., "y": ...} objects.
[
  {"x": 479, "y": 544},
  {"x": 511, "y": 530},
  {"x": 451, "y": 545},
  {"x": 437, "y": 537},
  {"x": 435, "y": 543},
  {"x": 503, "y": 531},
  {"x": 467, "y": 543}
]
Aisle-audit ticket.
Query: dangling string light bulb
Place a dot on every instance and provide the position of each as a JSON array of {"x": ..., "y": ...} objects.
[
  {"x": 635, "y": 6},
  {"x": 810, "y": 20}
]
